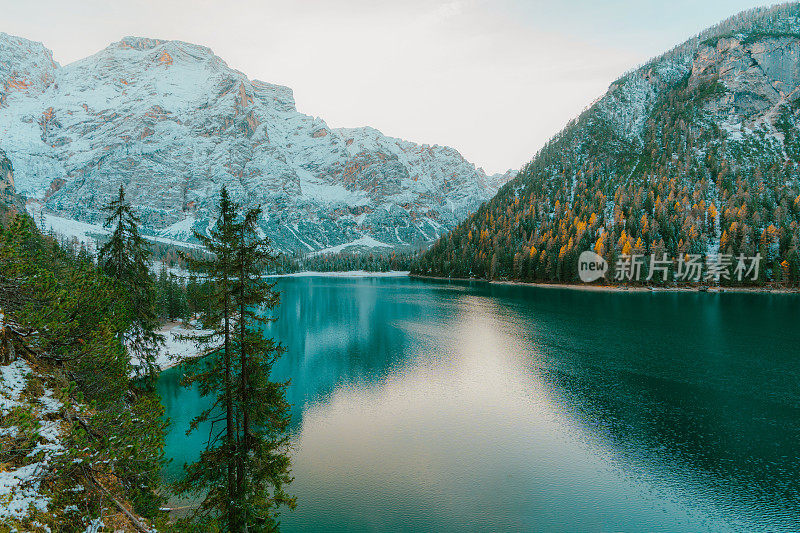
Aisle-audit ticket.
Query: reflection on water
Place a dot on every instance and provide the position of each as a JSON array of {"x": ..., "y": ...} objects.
[{"x": 432, "y": 406}]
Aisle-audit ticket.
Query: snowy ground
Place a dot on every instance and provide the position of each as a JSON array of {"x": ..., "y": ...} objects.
[
  {"x": 366, "y": 241},
  {"x": 176, "y": 349},
  {"x": 84, "y": 232},
  {"x": 68, "y": 229},
  {"x": 20, "y": 492},
  {"x": 14, "y": 379},
  {"x": 345, "y": 274}
]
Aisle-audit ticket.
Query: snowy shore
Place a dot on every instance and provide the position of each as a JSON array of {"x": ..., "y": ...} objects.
[
  {"x": 178, "y": 346},
  {"x": 343, "y": 274},
  {"x": 624, "y": 288}
]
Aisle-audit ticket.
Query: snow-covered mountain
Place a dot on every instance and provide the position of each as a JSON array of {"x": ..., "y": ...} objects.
[{"x": 172, "y": 122}]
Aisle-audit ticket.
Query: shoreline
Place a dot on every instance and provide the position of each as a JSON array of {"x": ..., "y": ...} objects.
[
  {"x": 176, "y": 350},
  {"x": 623, "y": 288},
  {"x": 343, "y": 274}
]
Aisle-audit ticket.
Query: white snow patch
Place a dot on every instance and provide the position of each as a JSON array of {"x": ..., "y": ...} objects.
[
  {"x": 68, "y": 229},
  {"x": 735, "y": 130},
  {"x": 84, "y": 232},
  {"x": 49, "y": 404},
  {"x": 173, "y": 242},
  {"x": 176, "y": 349},
  {"x": 19, "y": 488},
  {"x": 345, "y": 274},
  {"x": 365, "y": 241},
  {"x": 95, "y": 526},
  {"x": 10, "y": 431},
  {"x": 324, "y": 193},
  {"x": 14, "y": 377},
  {"x": 50, "y": 431},
  {"x": 397, "y": 234},
  {"x": 294, "y": 232},
  {"x": 181, "y": 230}
]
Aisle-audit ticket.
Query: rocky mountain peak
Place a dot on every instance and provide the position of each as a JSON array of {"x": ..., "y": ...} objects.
[
  {"x": 172, "y": 122},
  {"x": 25, "y": 66},
  {"x": 139, "y": 43}
]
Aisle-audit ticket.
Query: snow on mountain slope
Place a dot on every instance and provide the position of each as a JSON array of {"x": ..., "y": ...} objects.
[{"x": 172, "y": 122}]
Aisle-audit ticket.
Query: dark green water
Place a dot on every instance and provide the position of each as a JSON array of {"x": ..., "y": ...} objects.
[{"x": 429, "y": 406}]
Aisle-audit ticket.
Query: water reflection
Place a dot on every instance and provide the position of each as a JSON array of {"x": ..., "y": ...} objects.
[{"x": 463, "y": 407}]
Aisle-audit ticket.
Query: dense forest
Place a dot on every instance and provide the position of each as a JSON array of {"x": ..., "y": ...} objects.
[
  {"x": 64, "y": 316},
  {"x": 675, "y": 175},
  {"x": 82, "y": 432},
  {"x": 283, "y": 263}
]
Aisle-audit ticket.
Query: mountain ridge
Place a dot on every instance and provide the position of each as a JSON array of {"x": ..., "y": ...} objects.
[{"x": 173, "y": 122}]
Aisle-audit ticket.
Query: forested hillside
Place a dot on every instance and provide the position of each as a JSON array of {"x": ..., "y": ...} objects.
[
  {"x": 696, "y": 152},
  {"x": 80, "y": 441}
]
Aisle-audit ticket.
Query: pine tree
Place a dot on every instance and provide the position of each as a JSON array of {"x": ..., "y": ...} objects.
[
  {"x": 171, "y": 295},
  {"x": 263, "y": 466},
  {"x": 241, "y": 474},
  {"x": 215, "y": 471},
  {"x": 126, "y": 258}
]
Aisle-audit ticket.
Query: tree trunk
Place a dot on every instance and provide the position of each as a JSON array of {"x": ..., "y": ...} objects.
[
  {"x": 231, "y": 455},
  {"x": 137, "y": 524},
  {"x": 243, "y": 361}
]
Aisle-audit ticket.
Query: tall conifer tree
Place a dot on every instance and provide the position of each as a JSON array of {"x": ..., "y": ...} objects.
[
  {"x": 126, "y": 258},
  {"x": 243, "y": 470},
  {"x": 263, "y": 466}
]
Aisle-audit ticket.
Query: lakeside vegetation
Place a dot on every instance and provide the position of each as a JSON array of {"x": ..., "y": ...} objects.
[
  {"x": 68, "y": 319},
  {"x": 76, "y": 324}
]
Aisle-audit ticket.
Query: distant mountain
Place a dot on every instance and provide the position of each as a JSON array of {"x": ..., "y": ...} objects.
[
  {"x": 697, "y": 151},
  {"x": 172, "y": 122}
]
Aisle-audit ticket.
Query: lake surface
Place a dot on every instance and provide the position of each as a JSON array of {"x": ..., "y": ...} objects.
[{"x": 434, "y": 406}]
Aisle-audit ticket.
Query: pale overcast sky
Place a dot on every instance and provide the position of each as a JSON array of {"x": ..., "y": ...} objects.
[{"x": 494, "y": 79}]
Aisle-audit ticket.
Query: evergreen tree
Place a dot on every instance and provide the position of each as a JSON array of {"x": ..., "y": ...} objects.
[
  {"x": 215, "y": 471},
  {"x": 126, "y": 258},
  {"x": 171, "y": 295},
  {"x": 241, "y": 474},
  {"x": 263, "y": 466}
]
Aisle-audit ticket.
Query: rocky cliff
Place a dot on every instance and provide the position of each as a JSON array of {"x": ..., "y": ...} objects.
[
  {"x": 8, "y": 194},
  {"x": 172, "y": 122}
]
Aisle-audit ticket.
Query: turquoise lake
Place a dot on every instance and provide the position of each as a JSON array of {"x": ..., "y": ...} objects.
[{"x": 433, "y": 406}]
